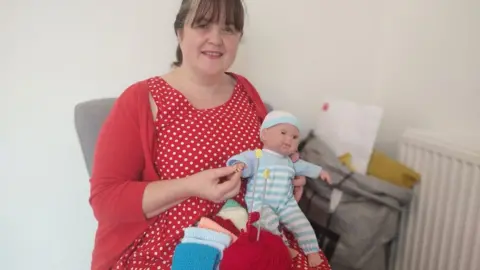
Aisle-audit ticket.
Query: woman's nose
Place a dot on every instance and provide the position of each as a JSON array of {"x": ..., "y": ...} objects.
[{"x": 215, "y": 35}]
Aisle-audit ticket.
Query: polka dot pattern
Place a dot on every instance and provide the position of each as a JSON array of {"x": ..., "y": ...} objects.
[
  {"x": 190, "y": 140},
  {"x": 300, "y": 262}
]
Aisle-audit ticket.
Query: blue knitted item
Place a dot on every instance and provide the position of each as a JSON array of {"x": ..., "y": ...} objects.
[
  {"x": 216, "y": 245},
  {"x": 207, "y": 235},
  {"x": 193, "y": 256}
]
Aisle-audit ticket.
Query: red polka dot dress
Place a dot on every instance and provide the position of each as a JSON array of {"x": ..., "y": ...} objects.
[{"x": 189, "y": 141}]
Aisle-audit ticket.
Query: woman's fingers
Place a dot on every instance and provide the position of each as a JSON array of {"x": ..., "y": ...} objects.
[
  {"x": 236, "y": 188},
  {"x": 223, "y": 172},
  {"x": 297, "y": 193},
  {"x": 223, "y": 190},
  {"x": 299, "y": 181},
  {"x": 230, "y": 187}
]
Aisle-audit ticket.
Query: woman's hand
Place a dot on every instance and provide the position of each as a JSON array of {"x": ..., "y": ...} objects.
[
  {"x": 295, "y": 157},
  {"x": 298, "y": 184},
  {"x": 216, "y": 185}
]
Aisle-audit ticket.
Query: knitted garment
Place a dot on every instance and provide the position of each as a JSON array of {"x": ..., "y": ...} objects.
[
  {"x": 227, "y": 224},
  {"x": 193, "y": 256},
  {"x": 268, "y": 253},
  {"x": 207, "y": 235},
  {"x": 216, "y": 245},
  {"x": 207, "y": 223},
  {"x": 197, "y": 247},
  {"x": 230, "y": 203},
  {"x": 236, "y": 214}
]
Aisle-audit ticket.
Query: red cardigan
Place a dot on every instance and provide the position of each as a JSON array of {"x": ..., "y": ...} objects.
[{"x": 122, "y": 168}]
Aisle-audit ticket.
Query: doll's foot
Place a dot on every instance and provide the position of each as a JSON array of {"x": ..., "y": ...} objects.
[
  {"x": 314, "y": 259},
  {"x": 293, "y": 252}
]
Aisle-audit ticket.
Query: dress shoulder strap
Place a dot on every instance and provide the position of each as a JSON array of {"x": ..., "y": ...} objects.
[{"x": 253, "y": 94}]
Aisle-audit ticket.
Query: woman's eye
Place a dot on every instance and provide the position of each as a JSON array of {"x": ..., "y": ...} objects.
[
  {"x": 229, "y": 29},
  {"x": 283, "y": 133},
  {"x": 202, "y": 25}
]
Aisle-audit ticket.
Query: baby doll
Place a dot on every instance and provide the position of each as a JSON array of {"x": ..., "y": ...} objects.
[{"x": 274, "y": 199}]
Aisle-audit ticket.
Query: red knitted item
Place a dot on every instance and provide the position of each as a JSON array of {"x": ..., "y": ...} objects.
[
  {"x": 269, "y": 253},
  {"x": 227, "y": 224}
]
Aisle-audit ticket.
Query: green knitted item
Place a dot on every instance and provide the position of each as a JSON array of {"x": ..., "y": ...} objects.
[{"x": 230, "y": 204}]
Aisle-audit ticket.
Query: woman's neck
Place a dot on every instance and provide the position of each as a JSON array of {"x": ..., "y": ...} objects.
[{"x": 206, "y": 84}]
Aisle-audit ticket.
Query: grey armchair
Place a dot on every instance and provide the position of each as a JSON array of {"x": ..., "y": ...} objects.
[{"x": 89, "y": 118}]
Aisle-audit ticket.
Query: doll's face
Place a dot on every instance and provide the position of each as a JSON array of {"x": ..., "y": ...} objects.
[{"x": 281, "y": 138}]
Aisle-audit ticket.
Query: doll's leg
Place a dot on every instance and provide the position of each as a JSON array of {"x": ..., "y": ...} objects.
[
  {"x": 269, "y": 220},
  {"x": 272, "y": 223},
  {"x": 292, "y": 217}
]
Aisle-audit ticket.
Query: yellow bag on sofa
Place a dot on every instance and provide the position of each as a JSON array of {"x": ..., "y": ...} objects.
[{"x": 385, "y": 168}]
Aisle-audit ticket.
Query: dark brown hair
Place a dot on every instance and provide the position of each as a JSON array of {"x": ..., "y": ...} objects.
[{"x": 209, "y": 11}]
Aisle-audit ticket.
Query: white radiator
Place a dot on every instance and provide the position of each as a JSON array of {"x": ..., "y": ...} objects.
[{"x": 441, "y": 228}]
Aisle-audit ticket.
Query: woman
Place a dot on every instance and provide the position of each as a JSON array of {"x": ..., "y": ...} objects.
[{"x": 159, "y": 162}]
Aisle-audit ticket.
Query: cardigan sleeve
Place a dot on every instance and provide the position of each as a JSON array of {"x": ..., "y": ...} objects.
[{"x": 116, "y": 189}]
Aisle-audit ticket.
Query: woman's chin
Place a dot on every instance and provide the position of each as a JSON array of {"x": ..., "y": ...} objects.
[
  {"x": 211, "y": 71},
  {"x": 213, "y": 67}
]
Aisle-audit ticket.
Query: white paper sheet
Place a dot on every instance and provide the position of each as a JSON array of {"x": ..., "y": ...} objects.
[{"x": 349, "y": 127}]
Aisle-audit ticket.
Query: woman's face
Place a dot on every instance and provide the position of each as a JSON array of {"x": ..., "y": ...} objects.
[{"x": 209, "y": 48}]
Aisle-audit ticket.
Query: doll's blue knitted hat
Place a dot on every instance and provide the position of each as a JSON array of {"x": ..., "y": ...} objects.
[{"x": 279, "y": 117}]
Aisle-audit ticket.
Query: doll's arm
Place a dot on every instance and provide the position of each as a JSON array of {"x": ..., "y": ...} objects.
[
  {"x": 311, "y": 170},
  {"x": 307, "y": 169},
  {"x": 248, "y": 159}
]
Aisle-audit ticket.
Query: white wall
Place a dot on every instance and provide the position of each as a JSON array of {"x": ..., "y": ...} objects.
[
  {"x": 312, "y": 50},
  {"x": 430, "y": 60},
  {"x": 56, "y": 54},
  {"x": 396, "y": 54}
]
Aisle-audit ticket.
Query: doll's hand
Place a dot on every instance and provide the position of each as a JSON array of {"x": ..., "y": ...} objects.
[
  {"x": 239, "y": 166},
  {"x": 325, "y": 177},
  {"x": 295, "y": 157}
]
